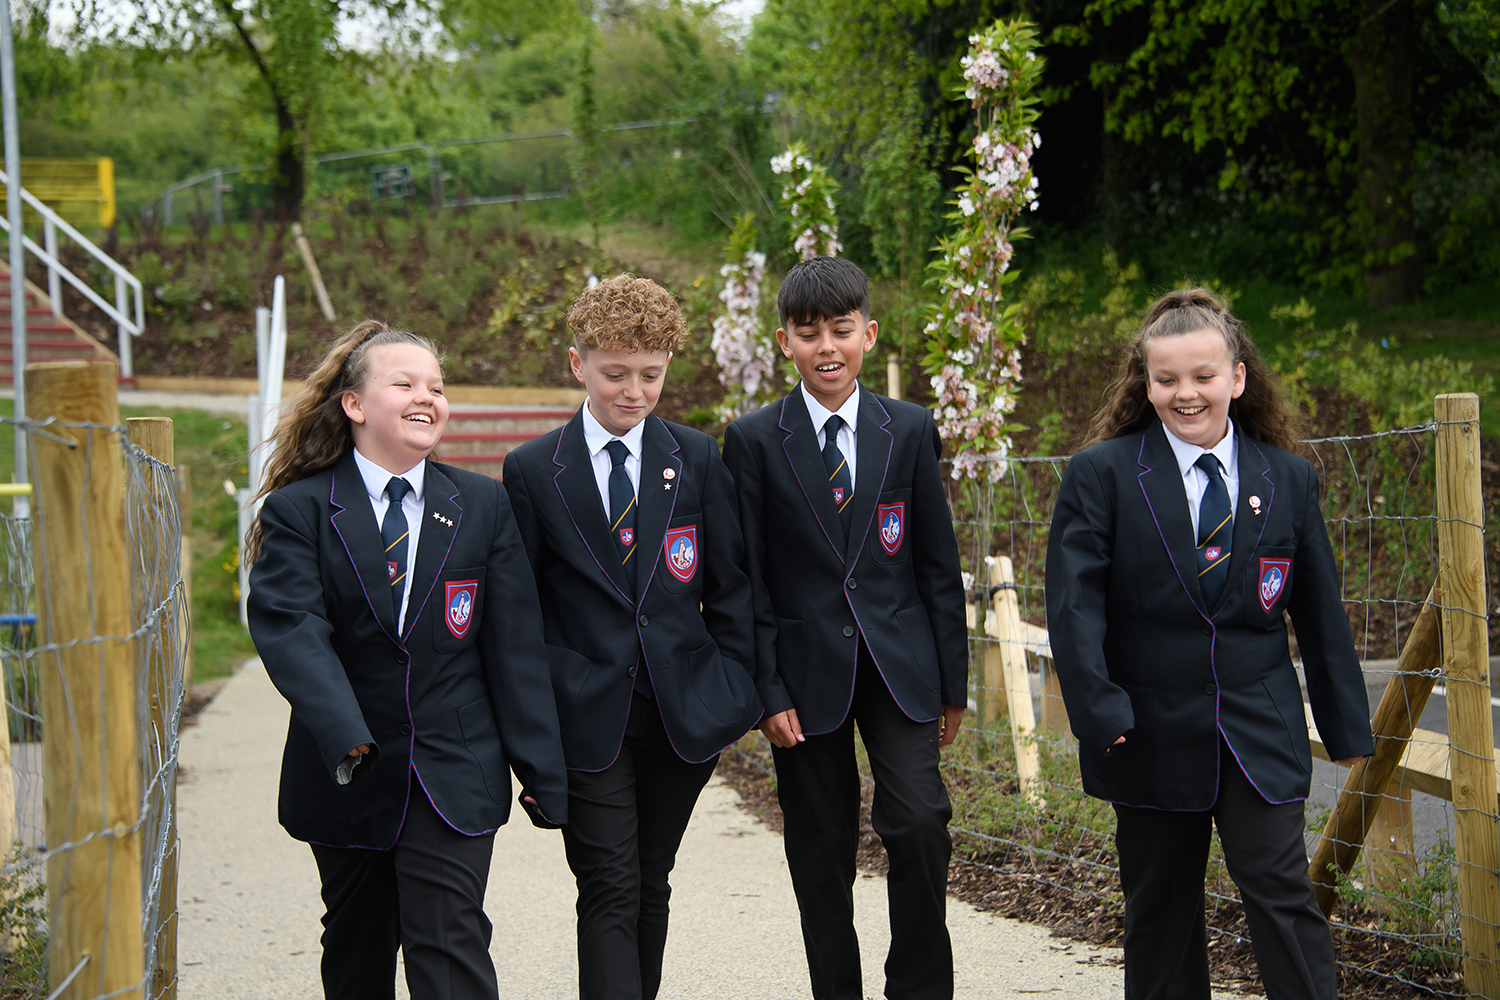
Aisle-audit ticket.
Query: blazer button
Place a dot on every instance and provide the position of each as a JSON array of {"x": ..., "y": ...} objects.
[
  {"x": 853, "y": 584},
  {"x": 1210, "y": 689},
  {"x": 848, "y": 631},
  {"x": 1208, "y": 630},
  {"x": 406, "y": 730},
  {"x": 644, "y": 621},
  {"x": 631, "y": 671}
]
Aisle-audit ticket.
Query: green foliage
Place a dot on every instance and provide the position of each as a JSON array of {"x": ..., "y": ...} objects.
[
  {"x": 1417, "y": 901},
  {"x": 902, "y": 192},
  {"x": 23, "y": 925},
  {"x": 588, "y": 164}
]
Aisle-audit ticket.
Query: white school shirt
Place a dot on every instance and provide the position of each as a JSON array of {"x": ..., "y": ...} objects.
[
  {"x": 595, "y": 437},
  {"x": 1195, "y": 480},
  {"x": 849, "y": 412},
  {"x": 413, "y": 505}
]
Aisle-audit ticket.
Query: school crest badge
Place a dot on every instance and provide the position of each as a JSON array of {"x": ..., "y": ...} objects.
[
  {"x": 390, "y": 570},
  {"x": 1273, "y": 578},
  {"x": 627, "y": 535},
  {"x": 838, "y": 496},
  {"x": 1212, "y": 553},
  {"x": 682, "y": 552},
  {"x": 892, "y": 519},
  {"x": 461, "y": 595}
]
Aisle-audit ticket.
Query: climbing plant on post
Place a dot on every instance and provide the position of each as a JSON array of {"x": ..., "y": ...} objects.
[
  {"x": 746, "y": 356},
  {"x": 808, "y": 197},
  {"x": 587, "y": 152},
  {"x": 974, "y": 337}
]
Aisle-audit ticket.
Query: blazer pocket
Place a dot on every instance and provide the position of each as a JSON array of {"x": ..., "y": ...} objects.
[
  {"x": 889, "y": 542},
  {"x": 917, "y": 628},
  {"x": 476, "y": 721},
  {"x": 569, "y": 670},
  {"x": 459, "y": 596},
  {"x": 681, "y": 552},
  {"x": 791, "y": 654},
  {"x": 1294, "y": 718},
  {"x": 714, "y": 685},
  {"x": 1268, "y": 585}
]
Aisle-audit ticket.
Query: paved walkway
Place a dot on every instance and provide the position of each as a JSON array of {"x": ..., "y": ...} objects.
[{"x": 249, "y": 895}]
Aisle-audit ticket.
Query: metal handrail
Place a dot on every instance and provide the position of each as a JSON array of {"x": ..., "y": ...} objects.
[{"x": 52, "y": 222}]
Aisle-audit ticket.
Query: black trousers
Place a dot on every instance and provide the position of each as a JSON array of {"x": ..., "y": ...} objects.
[
  {"x": 425, "y": 896},
  {"x": 1163, "y": 856},
  {"x": 818, "y": 785},
  {"x": 625, "y": 824}
]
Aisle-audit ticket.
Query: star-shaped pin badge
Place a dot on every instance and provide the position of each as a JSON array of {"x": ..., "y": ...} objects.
[{"x": 1255, "y": 505}]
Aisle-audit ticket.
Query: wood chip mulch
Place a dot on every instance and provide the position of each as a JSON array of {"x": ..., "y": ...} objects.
[{"x": 1083, "y": 902}]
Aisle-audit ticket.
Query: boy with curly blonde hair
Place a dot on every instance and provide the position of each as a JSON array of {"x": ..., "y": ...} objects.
[{"x": 631, "y": 526}]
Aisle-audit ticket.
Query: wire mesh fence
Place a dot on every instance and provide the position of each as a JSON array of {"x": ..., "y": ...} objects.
[
  {"x": 93, "y": 633},
  {"x": 1029, "y": 842}
]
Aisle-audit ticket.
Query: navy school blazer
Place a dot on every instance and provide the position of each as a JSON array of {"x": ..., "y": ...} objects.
[
  {"x": 453, "y": 701},
  {"x": 689, "y": 622},
  {"x": 895, "y": 581},
  {"x": 1139, "y": 654}
]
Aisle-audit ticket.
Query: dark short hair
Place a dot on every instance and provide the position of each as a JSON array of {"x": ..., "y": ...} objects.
[{"x": 823, "y": 288}]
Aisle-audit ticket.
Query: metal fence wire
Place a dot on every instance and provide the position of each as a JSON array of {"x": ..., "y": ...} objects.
[
  {"x": 93, "y": 637},
  {"x": 1029, "y": 843}
]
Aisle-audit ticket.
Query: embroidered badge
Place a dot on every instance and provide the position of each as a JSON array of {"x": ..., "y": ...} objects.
[
  {"x": 838, "y": 496},
  {"x": 892, "y": 526},
  {"x": 627, "y": 535},
  {"x": 390, "y": 570},
  {"x": 682, "y": 552},
  {"x": 1212, "y": 553},
  {"x": 461, "y": 596},
  {"x": 1273, "y": 577}
]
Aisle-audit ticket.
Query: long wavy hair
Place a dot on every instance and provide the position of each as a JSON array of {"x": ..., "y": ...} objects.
[
  {"x": 316, "y": 434},
  {"x": 1261, "y": 411}
]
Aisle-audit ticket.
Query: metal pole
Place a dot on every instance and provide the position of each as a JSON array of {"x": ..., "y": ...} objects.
[
  {"x": 54, "y": 280},
  {"x": 17, "y": 253},
  {"x": 127, "y": 364},
  {"x": 219, "y": 198}
]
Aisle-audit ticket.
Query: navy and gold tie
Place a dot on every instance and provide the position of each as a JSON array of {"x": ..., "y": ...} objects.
[
  {"x": 838, "y": 471},
  {"x": 1214, "y": 532},
  {"x": 622, "y": 509},
  {"x": 393, "y": 531}
]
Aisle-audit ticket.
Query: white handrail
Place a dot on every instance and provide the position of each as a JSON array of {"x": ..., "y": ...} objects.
[{"x": 127, "y": 326}]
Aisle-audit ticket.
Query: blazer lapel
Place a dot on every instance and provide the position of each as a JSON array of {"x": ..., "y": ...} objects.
[
  {"x": 439, "y": 527},
  {"x": 872, "y": 445},
  {"x": 579, "y": 491},
  {"x": 658, "y": 497},
  {"x": 1249, "y": 523},
  {"x": 1161, "y": 482},
  {"x": 353, "y": 520},
  {"x": 800, "y": 443}
]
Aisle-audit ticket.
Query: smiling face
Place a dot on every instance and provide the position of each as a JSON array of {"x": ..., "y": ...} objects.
[
  {"x": 1190, "y": 379},
  {"x": 398, "y": 415},
  {"x": 623, "y": 386},
  {"x": 828, "y": 354}
]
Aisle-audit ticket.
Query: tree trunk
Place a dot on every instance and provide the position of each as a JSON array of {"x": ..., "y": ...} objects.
[
  {"x": 290, "y": 182},
  {"x": 1382, "y": 55}
]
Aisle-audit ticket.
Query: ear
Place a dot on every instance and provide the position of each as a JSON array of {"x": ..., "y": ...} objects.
[
  {"x": 872, "y": 329},
  {"x": 576, "y": 363},
  {"x": 784, "y": 341},
  {"x": 1239, "y": 381},
  {"x": 353, "y": 409}
]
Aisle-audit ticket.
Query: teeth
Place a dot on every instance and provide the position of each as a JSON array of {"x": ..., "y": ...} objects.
[
  {"x": 420, "y": 418},
  {"x": 1192, "y": 411},
  {"x": 829, "y": 368}
]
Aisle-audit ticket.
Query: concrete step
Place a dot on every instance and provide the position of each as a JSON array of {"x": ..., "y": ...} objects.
[{"x": 480, "y": 439}]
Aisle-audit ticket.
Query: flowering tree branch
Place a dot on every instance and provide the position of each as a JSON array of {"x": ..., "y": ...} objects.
[
  {"x": 974, "y": 337},
  {"x": 745, "y": 355},
  {"x": 808, "y": 196}
]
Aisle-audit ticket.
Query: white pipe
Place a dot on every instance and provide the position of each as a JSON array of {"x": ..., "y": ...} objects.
[
  {"x": 275, "y": 362},
  {"x": 127, "y": 357},
  {"x": 54, "y": 283},
  {"x": 17, "y": 253}
]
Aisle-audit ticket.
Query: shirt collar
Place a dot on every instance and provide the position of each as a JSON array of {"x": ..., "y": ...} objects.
[
  {"x": 1187, "y": 454},
  {"x": 595, "y": 437},
  {"x": 376, "y": 478},
  {"x": 819, "y": 413}
]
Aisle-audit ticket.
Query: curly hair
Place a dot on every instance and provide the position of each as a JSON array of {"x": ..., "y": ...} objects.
[
  {"x": 316, "y": 434},
  {"x": 626, "y": 313},
  {"x": 1261, "y": 411}
]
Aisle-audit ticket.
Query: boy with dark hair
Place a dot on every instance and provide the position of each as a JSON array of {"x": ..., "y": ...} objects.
[
  {"x": 630, "y": 526},
  {"x": 859, "y": 618}
]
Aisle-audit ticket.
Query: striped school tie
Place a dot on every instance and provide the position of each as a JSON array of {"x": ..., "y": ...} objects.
[
  {"x": 838, "y": 471},
  {"x": 393, "y": 531},
  {"x": 622, "y": 509},
  {"x": 1215, "y": 529}
]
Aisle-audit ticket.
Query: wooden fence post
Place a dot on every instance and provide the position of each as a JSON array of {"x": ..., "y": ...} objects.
[
  {"x": 90, "y": 732},
  {"x": 1017, "y": 684},
  {"x": 153, "y": 435},
  {"x": 185, "y": 507},
  {"x": 1400, "y": 707},
  {"x": 992, "y": 703},
  {"x": 1466, "y": 671}
]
